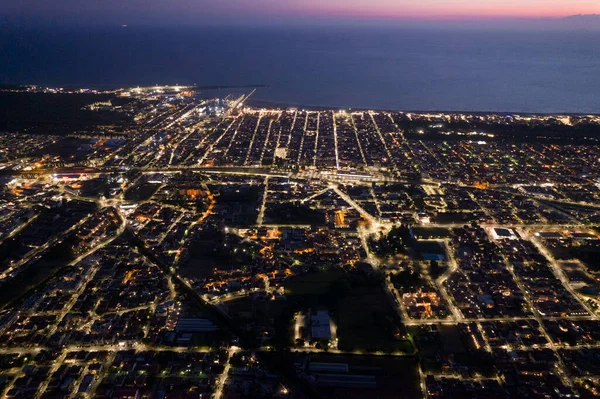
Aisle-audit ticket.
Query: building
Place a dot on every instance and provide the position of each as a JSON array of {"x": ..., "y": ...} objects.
[
  {"x": 503, "y": 234},
  {"x": 192, "y": 325},
  {"x": 320, "y": 325},
  {"x": 319, "y": 367}
]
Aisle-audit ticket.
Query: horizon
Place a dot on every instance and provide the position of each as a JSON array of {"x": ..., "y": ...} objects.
[
  {"x": 270, "y": 12},
  {"x": 576, "y": 22}
]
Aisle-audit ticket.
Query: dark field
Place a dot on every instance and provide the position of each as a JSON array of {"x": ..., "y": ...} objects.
[
  {"x": 364, "y": 315},
  {"x": 54, "y": 113}
]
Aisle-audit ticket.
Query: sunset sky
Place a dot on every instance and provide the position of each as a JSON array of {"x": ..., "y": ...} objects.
[{"x": 190, "y": 11}]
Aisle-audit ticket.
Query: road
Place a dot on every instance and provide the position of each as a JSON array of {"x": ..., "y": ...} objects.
[
  {"x": 261, "y": 213},
  {"x": 90, "y": 276},
  {"x": 366, "y": 215},
  {"x": 563, "y": 371},
  {"x": 39, "y": 250},
  {"x": 452, "y": 267},
  {"x": 169, "y": 118},
  {"x": 415, "y": 322},
  {"x": 556, "y": 269},
  {"x": 20, "y": 228},
  {"x": 225, "y": 375},
  {"x": 273, "y": 172}
]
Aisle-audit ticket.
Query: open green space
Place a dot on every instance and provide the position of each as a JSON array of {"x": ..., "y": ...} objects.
[
  {"x": 286, "y": 213},
  {"x": 366, "y": 323},
  {"x": 141, "y": 191},
  {"x": 364, "y": 315},
  {"x": 588, "y": 254},
  {"x": 315, "y": 283}
]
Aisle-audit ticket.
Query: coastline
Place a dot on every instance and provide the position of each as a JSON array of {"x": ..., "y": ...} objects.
[
  {"x": 256, "y": 103},
  {"x": 259, "y": 103}
]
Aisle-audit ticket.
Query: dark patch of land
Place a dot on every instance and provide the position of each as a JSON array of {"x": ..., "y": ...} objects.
[
  {"x": 142, "y": 191},
  {"x": 514, "y": 132},
  {"x": 51, "y": 113},
  {"x": 588, "y": 254},
  {"x": 37, "y": 274},
  {"x": 281, "y": 213},
  {"x": 365, "y": 317}
]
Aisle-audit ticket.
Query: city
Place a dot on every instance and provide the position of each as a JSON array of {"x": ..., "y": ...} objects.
[{"x": 162, "y": 242}]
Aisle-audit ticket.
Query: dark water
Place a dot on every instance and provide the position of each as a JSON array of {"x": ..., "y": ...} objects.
[{"x": 391, "y": 68}]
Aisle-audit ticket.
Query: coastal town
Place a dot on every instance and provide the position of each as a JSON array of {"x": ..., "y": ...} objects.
[{"x": 197, "y": 246}]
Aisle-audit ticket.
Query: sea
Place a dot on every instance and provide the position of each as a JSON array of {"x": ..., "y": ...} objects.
[{"x": 376, "y": 67}]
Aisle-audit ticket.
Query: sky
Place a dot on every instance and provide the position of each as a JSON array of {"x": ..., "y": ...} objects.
[{"x": 241, "y": 11}]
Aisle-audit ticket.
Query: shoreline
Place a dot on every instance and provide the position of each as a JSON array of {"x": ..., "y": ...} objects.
[
  {"x": 283, "y": 105},
  {"x": 258, "y": 103}
]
